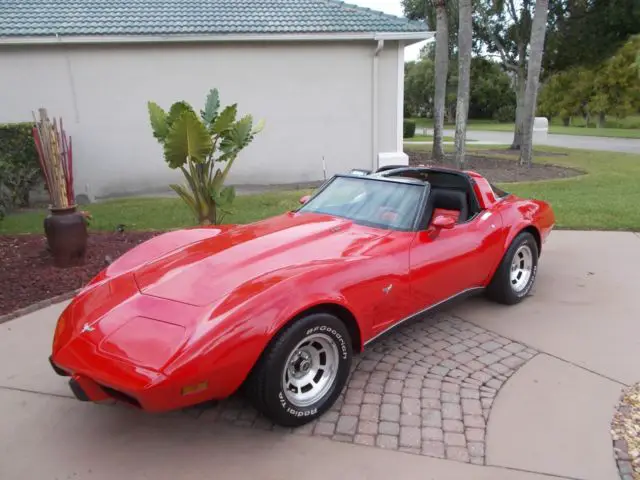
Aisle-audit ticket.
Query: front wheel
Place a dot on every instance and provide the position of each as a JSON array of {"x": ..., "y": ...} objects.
[
  {"x": 517, "y": 271},
  {"x": 302, "y": 371}
]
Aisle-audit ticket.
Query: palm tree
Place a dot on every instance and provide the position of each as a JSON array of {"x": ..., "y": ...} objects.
[
  {"x": 538, "y": 32},
  {"x": 441, "y": 70},
  {"x": 465, "y": 40}
]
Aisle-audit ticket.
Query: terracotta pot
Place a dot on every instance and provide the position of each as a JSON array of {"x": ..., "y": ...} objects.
[{"x": 66, "y": 231}]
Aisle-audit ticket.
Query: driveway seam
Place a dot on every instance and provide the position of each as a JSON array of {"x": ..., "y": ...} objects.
[
  {"x": 35, "y": 392},
  {"x": 601, "y": 375},
  {"x": 524, "y": 470}
]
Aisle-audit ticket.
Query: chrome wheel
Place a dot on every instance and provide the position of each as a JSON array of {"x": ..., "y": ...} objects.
[
  {"x": 521, "y": 268},
  {"x": 310, "y": 370}
]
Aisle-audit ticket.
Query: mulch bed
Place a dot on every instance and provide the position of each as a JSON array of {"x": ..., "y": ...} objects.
[
  {"x": 625, "y": 430},
  {"x": 27, "y": 274},
  {"x": 498, "y": 170}
]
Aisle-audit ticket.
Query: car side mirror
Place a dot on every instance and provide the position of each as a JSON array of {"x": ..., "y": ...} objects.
[
  {"x": 444, "y": 222},
  {"x": 304, "y": 199}
]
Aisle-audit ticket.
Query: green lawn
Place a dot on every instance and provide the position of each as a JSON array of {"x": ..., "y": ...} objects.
[
  {"x": 428, "y": 138},
  {"x": 603, "y": 199},
  {"x": 160, "y": 213},
  {"x": 625, "y": 128}
]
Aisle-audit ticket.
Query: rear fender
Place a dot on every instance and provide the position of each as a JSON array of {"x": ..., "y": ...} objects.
[
  {"x": 519, "y": 215},
  {"x": 534, "y": 215}
]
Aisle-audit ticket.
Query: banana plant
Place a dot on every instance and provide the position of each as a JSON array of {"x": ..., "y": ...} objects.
[{"x": 204, "y": 148}]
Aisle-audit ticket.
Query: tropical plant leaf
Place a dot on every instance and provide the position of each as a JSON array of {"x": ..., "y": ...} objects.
[
  {"x": 216, "y": 183},
  {"x": 186, "y": 197},
  {"x": 187, "y": 139},
  {"x": 241, "y": 132},
  {"x": 158, "y": 119},
  {"x": 227, "y": 148},
  {"x": 191, "y": 183},
  {"x": 176, "y": 111},
  {"x": 211, "y": 107},
  {"x": 225, "y": 119},
  {"x": 226, "y": 196},
  {"x": 258, "y": 128}
]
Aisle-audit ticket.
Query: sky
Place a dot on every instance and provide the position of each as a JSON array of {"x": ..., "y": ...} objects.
[{"x": 393, "y": 7}]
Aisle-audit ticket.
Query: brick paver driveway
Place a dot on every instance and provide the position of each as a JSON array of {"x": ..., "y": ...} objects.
[{"x": 426, "y": 388}]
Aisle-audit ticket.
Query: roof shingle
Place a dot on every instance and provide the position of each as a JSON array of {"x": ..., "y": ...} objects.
[{"x": 165, "y": 17}]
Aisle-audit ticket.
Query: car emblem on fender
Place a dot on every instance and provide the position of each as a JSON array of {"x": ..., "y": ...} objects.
[
  {"x": 388, "y": 288},
  {"x": 87, "y": 328}
]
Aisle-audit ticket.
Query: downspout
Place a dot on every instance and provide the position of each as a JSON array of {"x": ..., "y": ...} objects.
[{"x": 374, "y": 106}]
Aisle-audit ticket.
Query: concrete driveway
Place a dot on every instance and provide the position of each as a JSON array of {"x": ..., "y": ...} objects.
[{"x": 477, "y": 391}]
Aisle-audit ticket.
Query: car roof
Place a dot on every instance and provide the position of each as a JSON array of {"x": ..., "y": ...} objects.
[
  {"x": 420, "y": 169},
  {"x": 375, "y": 177}
]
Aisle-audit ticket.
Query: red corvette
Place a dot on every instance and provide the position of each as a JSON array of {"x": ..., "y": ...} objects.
[{"x": 280, "y": 306}]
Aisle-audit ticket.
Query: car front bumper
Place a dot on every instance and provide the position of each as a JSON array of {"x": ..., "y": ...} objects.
[{"x": 132, "y": 388}]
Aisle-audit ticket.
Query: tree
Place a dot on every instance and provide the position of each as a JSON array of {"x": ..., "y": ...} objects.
[
  {"x": 504, "y": 27},
  {"x": 538, "y": 31},
  {"x": 419, "y": 87},
  {"x": 465, "y": 43},
  {"x": 586, "y": 33},
  {"x": 610, "y": 88},
  {"x": 616, "y": 86},
  {"x": 492, "y": 94},
  {"x": 426, "y": 10},
  {"x": 441, "y": 70},
  {"x": 564, "y": 95}
]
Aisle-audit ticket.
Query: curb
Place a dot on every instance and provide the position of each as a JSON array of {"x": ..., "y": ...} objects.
[{"x": 38, "y": 306}]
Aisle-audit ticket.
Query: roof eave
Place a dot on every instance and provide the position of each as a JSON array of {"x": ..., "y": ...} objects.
[{"x": 407, "y": 37}]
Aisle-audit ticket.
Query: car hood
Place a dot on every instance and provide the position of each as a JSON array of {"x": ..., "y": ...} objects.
[{"x": 205, "y": 271}]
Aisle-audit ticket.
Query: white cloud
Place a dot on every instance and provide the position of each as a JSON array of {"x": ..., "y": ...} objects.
[{"x": 392, "y": 7}]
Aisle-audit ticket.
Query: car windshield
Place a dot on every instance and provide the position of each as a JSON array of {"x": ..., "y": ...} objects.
[{"x": 377, "y": 203}]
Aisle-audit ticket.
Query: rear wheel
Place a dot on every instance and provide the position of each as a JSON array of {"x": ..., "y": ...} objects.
[
  {"x": 517, "y": 271},
  {"x": 302, "y": 371}
]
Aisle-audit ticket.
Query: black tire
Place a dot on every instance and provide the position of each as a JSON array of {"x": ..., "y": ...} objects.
[
  {"x": 265, "y": 385},
  {"x": 501, "y": 289}
]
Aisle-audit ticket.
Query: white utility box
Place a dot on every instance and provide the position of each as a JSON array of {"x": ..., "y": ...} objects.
[{"x": 540, "y": 130}]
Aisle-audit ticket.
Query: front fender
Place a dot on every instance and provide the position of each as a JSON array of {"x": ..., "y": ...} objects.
[
  {"x": 161, "y": 245},
  {"x": 240, "y": 327}
]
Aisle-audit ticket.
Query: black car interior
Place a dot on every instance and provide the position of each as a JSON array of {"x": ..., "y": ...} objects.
[{"x": 449, "y": 191}]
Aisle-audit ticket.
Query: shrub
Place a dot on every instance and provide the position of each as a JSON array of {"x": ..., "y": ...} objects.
[
  {"x": 195, "y": 144},
  {"x": 505, "y": 114},
  {"x": 409, "y": 129},
  {"x": 19, "y": 167}
]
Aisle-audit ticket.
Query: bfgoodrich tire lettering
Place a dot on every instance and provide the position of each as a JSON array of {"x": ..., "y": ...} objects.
[
  {"x": 302, "y": 371},
  {"x": 514, "y": 278}
]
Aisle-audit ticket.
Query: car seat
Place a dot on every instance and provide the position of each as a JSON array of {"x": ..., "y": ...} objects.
[{"x": 449, "y": 202}]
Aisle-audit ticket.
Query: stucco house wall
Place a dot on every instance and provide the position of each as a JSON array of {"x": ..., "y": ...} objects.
[{"x": 318, "y": 100}]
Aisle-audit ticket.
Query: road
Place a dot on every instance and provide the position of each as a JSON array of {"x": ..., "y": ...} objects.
[{"x": 626, "y": 145}]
